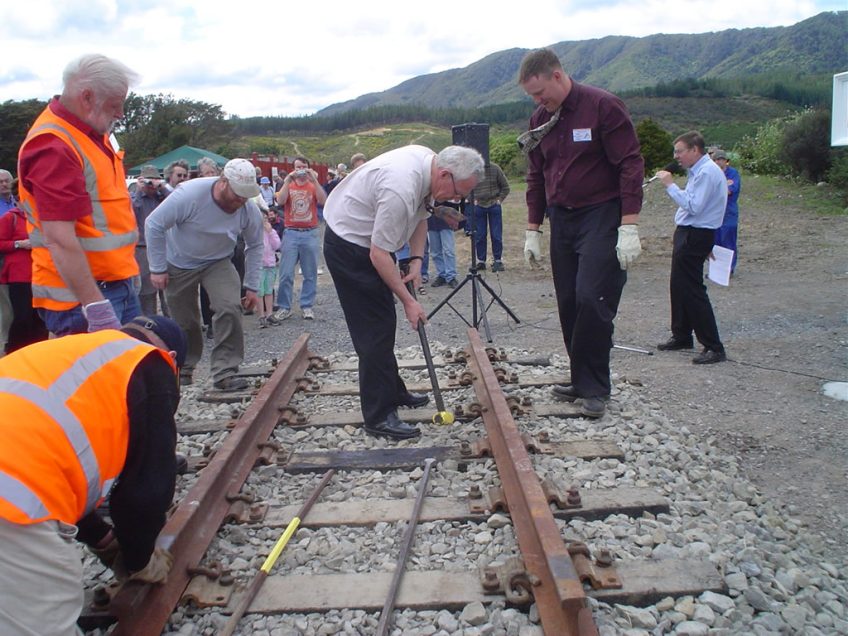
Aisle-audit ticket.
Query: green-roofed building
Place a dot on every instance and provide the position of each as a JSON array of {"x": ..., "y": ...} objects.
[{"x": 187, "y": 153}]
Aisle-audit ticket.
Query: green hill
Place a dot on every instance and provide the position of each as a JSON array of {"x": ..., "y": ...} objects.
[{"x": 618, "y": 63}]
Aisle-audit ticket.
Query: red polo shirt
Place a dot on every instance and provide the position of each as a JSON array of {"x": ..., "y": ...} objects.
[{"x": 51, "y": 171}]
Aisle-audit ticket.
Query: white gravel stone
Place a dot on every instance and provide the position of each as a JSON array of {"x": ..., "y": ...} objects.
[
  {"x": 704, "y": 614},
  {"x": 498, "y": 521},
  {"x": 447, "y": 621},
  {"x": 795, "y": 616},
  {"x": 638, "y": 617},
  {"x": 685, "y": 606},
  {"x": 474, "y": 614},
  {"x": 691, "y": 628},
  {"x": 483, "y": 538},
  {"x": 757, "y": 599},
  {"x": 718, "y": 602},
  {"x": 736, "y": 581}
]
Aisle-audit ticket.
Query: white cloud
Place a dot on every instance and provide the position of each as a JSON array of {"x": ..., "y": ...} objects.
[{"x": 298, "y": 58}]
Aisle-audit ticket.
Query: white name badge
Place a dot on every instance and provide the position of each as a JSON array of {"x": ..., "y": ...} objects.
[
  {"x": 114, "y": 142},
  {"x": 581, "y": 134}
]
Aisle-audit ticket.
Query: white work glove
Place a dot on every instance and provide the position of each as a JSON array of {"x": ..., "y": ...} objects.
[
  {"x": 100, "y": 315},
  {"x": 628, "y": 247},
  {"x": 532, "y": 249},
  {"x": 156, "y": 570}
]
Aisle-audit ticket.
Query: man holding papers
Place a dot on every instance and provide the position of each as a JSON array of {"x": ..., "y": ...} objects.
[{"x": 700, "y": 212}]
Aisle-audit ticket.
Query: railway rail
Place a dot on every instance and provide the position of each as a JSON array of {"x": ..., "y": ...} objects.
[{"x": 488, "y": 465}]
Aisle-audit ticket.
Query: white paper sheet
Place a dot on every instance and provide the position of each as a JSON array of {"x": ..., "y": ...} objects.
[{"x": 719, "y": 268}]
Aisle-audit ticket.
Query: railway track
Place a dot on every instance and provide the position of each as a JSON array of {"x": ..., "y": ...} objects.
[{"x": 495, "y": 533}]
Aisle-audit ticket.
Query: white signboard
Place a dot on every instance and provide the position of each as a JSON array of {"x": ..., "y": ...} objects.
[{"x": 839, "y": 114}]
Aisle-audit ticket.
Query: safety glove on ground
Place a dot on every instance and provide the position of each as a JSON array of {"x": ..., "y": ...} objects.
[
  {"x": 628, "y": 246},
  {"x": 532, "y": 247}
]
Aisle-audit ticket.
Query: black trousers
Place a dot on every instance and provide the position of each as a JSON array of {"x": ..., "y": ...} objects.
[
  {"x": 691, "y": 309},
  {"x": 369, "y": 310},
  {"x": 588, "y": 281},
  {"x": 27, "y": 326}
]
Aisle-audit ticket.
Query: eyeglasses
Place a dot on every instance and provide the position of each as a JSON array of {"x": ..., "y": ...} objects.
[
  {"x": 680, "y": 151},
  {"x": 456, "y": 192}
]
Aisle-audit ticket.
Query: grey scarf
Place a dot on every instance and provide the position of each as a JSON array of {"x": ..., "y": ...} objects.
[{"x": 532, "y": 138}]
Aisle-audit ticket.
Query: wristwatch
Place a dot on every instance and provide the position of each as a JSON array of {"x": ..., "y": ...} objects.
[{"x": 16, "y": 245}]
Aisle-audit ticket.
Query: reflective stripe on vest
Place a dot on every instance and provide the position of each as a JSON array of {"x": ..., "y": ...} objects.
[
  {"x": 107, "y": 234},
  {"x": 20, "y": 496},
  {"x": 52, "y": 401},
  {"x": 108, "y": 241}
]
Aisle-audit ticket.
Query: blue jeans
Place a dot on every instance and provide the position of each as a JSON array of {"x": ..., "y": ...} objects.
[
  {"x": 403, "y": 253},
  {"x": 444, "y": 256},
  {"x": 121, "y": 293},
  {"x": 493, "y": 217},
  {"x": 303, "y": 247},
  {"x": 425, "y": 262}
]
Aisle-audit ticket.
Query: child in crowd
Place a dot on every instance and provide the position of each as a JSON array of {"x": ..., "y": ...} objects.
[{"x": 268, "y": 280}]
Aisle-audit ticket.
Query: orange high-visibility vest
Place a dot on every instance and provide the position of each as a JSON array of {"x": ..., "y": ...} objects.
[
  {"x": 108, "y": 235},
  {"x": 65, "y": 424}
]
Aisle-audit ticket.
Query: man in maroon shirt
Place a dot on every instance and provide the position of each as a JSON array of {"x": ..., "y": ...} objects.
[
  {"x": 585, "y": 172},
  {"x": 62, "y": 194}
]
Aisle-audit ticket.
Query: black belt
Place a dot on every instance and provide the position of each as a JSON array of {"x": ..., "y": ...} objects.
[
  {"x": 106, "y": 284},
  {"x": 301, "y": 229}
]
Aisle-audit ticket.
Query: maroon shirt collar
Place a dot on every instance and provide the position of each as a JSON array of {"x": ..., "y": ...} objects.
[{"x": 570, "y": 102}]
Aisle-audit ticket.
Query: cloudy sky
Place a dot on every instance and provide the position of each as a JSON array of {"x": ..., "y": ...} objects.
[{"x": 303, "y": 56}]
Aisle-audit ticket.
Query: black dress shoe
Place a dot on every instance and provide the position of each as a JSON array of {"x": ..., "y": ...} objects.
[
  {"x": 565, "y": 393},
  {"x": 414, "y": 400},
  {"x": 673, "y": 344},
  {"x": 392, "y": 427},
  {"x": 708, "y": 356}
]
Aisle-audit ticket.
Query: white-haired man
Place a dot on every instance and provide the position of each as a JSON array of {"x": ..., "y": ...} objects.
[
  {"x": 371, "y": 214},
  {"x": 7, "y": 197},
  {"x": 190, "y": 241},
  {"x": 79, "y": 215}
]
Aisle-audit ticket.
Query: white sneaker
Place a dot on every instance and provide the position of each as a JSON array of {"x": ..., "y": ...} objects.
[
  {"x": 282, "y": 314},
  {"x": 308, "y": 314}
]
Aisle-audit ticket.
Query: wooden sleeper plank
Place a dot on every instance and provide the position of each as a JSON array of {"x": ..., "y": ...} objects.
[
  {"x": 596, "y": 504},
  {"x": 644, "y": 582}
]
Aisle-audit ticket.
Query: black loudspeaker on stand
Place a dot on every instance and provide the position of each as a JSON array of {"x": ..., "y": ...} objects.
[{"x": 474, "y": 136}]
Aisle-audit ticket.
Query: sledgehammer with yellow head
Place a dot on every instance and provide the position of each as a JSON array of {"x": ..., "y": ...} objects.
[{"x": 442, "y": 416}]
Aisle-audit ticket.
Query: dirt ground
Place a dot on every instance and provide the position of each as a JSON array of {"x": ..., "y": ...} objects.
[{"x": 783, "y": 322}]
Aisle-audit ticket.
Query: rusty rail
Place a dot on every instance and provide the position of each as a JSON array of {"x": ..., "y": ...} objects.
[
  {"x": 144, "y": 609},
  {"x": 556, "y": 586}
]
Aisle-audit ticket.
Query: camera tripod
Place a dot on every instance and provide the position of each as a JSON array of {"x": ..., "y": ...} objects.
[{"x": 479, "y": 307}]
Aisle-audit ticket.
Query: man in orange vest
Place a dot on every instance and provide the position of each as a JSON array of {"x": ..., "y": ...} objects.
[
  {"x": 84, "y": 416},
  {"x": 79, "y": 213}
]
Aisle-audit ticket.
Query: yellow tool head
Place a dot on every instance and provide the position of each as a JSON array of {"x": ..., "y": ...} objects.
[{"x": 443, "y": 417}]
